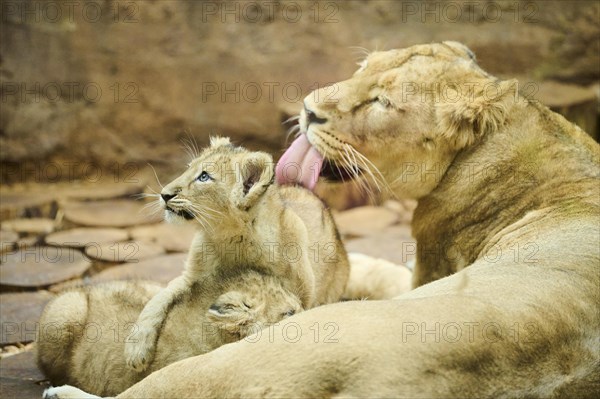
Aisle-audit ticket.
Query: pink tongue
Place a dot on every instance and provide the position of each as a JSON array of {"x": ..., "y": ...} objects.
[{"x": 301, "y": 163}]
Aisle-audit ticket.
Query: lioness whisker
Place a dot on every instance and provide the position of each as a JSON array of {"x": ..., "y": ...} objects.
[
  {"x": 339, "y": 171},
  {"x": 292, "y": 130},
  {"x": 368, "y": 170},
  {"x": 366, "y": 160},
  {"x": 352, "y": 170},
  {"x": 356, "y": 165},
  {"x": 355, "y": 181},
  {"x": 371, "y": 177},
  {"x": 291, "y": 119},
  {"x": 370, "y": 166},
  {"x": 399, "y": 178}
]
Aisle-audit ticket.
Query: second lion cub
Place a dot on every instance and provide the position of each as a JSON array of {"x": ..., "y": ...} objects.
[{"x": 244, "y": 218}]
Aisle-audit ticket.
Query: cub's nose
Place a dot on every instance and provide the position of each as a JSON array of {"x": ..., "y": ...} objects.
[
  {"x": 311, "y": 117},
  {"x": 167, "y": 197}
]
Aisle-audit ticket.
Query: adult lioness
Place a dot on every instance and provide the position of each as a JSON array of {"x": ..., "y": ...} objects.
[{"x": 507, "y": 226}]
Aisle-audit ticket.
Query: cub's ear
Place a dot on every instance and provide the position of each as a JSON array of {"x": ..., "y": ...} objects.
[
  {"x": 475, "y": 111},
  {"x": 255, "y": 175},
  {"x": 218, "y": 141},
  {"x": 460, "y": 49},
  {"x": 231, "y": 313}
]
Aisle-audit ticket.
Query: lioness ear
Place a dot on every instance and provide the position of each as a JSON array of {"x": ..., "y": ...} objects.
[
  {"x": 473, "y": 114},
  {"x": 255, "y": 175}
]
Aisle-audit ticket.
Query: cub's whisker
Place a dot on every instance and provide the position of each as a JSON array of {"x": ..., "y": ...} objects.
[
  {"x": 155, "y": 175},
  {"x": 191, "y": 146},
  {"x": 145, "y": 195},
  {"x": 360, "y": 50},
  {"x": 201, "y": 218},
  {"x": 151, "y": 208}
]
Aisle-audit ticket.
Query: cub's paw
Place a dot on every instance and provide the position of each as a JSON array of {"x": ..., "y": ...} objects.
[
  {"x": 139, "y": 351},
  {"x": 67, "y": 392}
]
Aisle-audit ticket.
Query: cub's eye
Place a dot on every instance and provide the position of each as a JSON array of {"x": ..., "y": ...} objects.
[
  {"x": 384, "y": 101},
  {"x": 289, "y": 313},
  {"x": 204, "y": 177}
]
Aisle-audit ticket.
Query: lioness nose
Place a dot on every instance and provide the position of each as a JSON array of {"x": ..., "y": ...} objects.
[
  {"x": 311, "y": 117},
  {"x": 167, "y": 197}
]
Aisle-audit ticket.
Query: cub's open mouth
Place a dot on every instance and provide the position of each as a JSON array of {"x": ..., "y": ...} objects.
[
  {"x": 334, "y": 173},
  {"x": 183, "y": 213}
]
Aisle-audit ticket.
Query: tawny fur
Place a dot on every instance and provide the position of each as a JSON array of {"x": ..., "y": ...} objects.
[
  {"x": 375, "y": 279},
  {"x": 83, "y": 332},
  {"x": 507, "y": 273},
  {"x": 262, "y": 253}
]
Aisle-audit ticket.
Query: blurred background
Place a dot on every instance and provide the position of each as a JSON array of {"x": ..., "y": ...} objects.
[
  {"x": 93, "y": 92},
  {"x": 113, "y": 85}
]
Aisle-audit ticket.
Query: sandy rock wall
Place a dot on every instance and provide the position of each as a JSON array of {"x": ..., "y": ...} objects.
[{"x": 123, "y": 81}]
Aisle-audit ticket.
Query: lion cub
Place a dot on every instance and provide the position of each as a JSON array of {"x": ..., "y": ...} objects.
[
  {"x": 243, "y": 218},
  {"x": 261, "y": 253},
  {"x": 82, "y": 332}
]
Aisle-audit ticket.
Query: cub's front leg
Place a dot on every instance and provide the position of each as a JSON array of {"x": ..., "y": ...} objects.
[{"x": 141, "y": 344}]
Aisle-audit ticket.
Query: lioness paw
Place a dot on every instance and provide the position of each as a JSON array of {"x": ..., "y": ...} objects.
[
  {"x": 67, "y": 392},
  {"x": 139, "y": 352}
]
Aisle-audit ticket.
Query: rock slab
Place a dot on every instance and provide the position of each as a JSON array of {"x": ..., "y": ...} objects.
[
  {"x": 40, "y": 266},
  {"x": 19, "y": 315}
]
